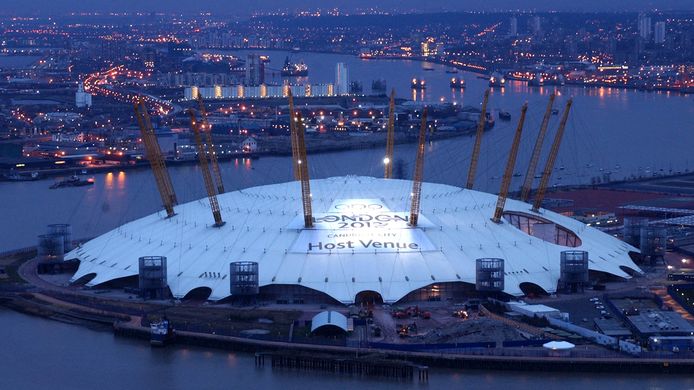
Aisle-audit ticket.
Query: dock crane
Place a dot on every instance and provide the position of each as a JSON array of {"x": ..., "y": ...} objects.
[
  {"x": 156, "y": 160},
  {"x": 207, "y": 129},
  {"x": 418, "y": 172},
  {"x": 549, "y": 166},
  {"x": 390, "y": 138},
  {"x": 206, "y": 175},
  {"x": 537, "y": 149},
  {"x": 478, "y": 141},
  {"x": 301, "y": 163},
  {"x": 292, "y": 135},
  {"x": 508, "y": 174}
]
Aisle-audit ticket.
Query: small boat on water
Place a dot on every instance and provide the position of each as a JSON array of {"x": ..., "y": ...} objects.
[
  {"x": 497, "y": 80},
  {"x": 161, "y": 333},
  {"x": 457, "y": 82},
  {"x": 504, "y": 115},
  {"x": 555, "y": 111},
  {"x": 73, "y": 181}
]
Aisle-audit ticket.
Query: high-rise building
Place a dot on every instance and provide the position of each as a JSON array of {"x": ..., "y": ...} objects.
[
  {"x": 255, "y": 70},
  {"x": 513, "y": 26},
  {"x": 428, "y": 47},
  {"x": 644, "y": 25},
  {"x": 659, "y": 32},
  {"x": 82, "y": 99},
  {"x": 536, "y": 25},
  {"x": 341, "y": 79}
]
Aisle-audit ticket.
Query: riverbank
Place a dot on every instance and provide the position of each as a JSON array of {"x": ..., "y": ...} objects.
[
  {"x": 275, "y": 149},
  {"x": 128, "y": 317}
]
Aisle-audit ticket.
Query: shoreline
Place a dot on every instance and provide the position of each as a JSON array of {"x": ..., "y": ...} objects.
[
  {"x": 315, "y": 149},
  {"x": 105, "y": 314}
]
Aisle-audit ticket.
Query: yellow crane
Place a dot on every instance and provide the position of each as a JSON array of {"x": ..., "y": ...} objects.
[
  {"x": 537, "y": 149},
  {"x": 207, "y": 129},
  {"x": 206, "y": 175},
  {"x": 478, "y": 141},
  {"x": 155, "y": 158},
  {"x": 418, "y": 172},
  {"x": 292, "y": 134},
  {"x": 549, "y": 166},
  {"x": 510, "y": 164},
  {"x": 302, "y": 164},
  {"x": 390, "y": 138}
]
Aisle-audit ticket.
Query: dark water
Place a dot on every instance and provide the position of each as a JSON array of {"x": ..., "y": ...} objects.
[
  {"x": 623, "y": 132},
  {"x": 38, "y": 353}
]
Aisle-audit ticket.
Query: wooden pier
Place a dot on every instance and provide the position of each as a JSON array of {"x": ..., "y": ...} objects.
[{"x": 366, "y": 366}]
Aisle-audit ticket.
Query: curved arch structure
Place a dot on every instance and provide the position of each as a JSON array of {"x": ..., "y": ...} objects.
[{"x": 386, "y": 255}]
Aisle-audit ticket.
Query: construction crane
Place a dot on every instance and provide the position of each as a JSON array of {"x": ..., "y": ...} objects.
[
  {"x": 156, "y": 161},
  {"x": 418, "y": 172},
  {"x": 510, "y": 164},
  {"x": 302, "y": 164},
  {"x": 549, "y": 166},
  {"x": 390, "y": 138},
  {"x": 535, "y": 158},
  {"x": 207, "y": 129},
  {"x": 478, "y": 141},
  {"x": 292, "y": 135},
  {"x": 206, "y": 175}
]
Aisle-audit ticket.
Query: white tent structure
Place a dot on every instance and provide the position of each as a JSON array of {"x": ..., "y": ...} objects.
[
  {"x": 329, "y": 319},
  {"x": 361, "y": 241}
]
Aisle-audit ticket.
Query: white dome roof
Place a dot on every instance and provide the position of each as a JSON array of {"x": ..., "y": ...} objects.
[{"x": 265, "y": 224}]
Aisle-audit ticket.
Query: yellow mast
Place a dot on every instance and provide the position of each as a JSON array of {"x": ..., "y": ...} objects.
[
  {"x": 478, "y": 141},
  {"x": 302, "y": 164},
  {"x": 390, "y": 138},
  {"x": 510, "y": 164},
  {"x": 207, "y": 129},
  {"x": 535, "y": 158},
  {"x": 292, "y": 134},
  {"x": 206, "y": 175},
  {"x": 549, "y": 166},
  {"x": 154, "y": 156},
  {"x": 418, "y": 172}
]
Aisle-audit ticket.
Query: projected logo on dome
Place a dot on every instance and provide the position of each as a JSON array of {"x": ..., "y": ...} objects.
[{"x": 361, "y": 226}]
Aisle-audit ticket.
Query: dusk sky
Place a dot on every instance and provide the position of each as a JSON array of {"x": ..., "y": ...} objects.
[{"x": 247, "y": 7}]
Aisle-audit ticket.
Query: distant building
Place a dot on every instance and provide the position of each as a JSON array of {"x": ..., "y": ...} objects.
[
  {"x": 341, "y": 79},
  {"x": 644, "y": 25},
  {"x": 249, "y": 145},
  {"x": 82, "y": 99},
  {"x": 536, "y": 25},
  {"x": 255, "y": 70},
  {"x": 513, "y": 26},
  {"x": 428, "y": 47},
  {"x": 659, "y": 32}
]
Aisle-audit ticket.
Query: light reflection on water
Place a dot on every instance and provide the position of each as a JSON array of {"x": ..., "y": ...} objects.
[{"x": 77, "y": 357}]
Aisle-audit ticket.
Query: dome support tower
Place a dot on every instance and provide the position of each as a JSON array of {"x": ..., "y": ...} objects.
[
  {"x": 418, "y": 172},
  {"x": 549, "y": 166},
  {"x": 390, "y": 138},
  {"x": 537, "y": 149},
  {"x": 207, "y": 177},
  {"x": 478, "y": 142},
  {"x": 508, "y": 174}
]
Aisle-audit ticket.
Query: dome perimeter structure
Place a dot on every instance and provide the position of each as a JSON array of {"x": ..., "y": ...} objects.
[{"x": 360, "y": 241}]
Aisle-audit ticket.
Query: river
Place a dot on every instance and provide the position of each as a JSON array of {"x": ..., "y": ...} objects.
[
  {"x": 39, "y": 353},
  {"x": 622, "y": 131}
]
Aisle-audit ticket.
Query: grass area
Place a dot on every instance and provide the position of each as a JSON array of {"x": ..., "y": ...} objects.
[
  {"x": 11, "y": 264},
  {"x": 229, "y": 321}
]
